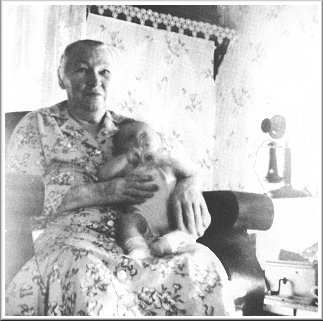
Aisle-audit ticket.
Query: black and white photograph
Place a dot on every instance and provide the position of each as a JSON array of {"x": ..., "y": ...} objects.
[{"x": 208, "y": 115}]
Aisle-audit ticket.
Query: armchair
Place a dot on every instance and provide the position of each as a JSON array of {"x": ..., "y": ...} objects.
[{"x": 233, "y": 213}]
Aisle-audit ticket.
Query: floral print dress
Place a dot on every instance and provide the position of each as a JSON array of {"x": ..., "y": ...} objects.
[{"x": 78, "y": 268}]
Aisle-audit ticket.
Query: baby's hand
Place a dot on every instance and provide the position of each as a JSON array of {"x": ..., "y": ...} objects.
[
  {"x": 114, "y": 167},
  {"x": 138, "y": 156},
  {"x": 135, "y": 157}
]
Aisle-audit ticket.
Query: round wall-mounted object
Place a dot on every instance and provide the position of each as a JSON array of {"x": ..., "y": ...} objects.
[{"x": 275, "y": 127}]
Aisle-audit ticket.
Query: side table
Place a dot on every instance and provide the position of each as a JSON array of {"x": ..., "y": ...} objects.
[{"x": 295, "y": 305}]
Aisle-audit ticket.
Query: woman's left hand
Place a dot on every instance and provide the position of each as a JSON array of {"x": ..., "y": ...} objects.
[{"x": 189, "y": 209}]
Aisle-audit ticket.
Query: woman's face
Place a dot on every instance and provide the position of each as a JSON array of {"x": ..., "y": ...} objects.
[{"x": 86, "y": 78}]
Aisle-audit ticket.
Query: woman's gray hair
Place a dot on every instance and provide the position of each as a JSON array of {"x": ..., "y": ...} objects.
[{"x": 77, "y": 45}]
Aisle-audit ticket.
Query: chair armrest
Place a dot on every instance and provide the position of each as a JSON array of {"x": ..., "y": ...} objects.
[
  {"x": 229, "y": 209},
  {"x": 24, "y": 198},
  {"x": 233, "y": 213},
  {"x": 238, "y": 210},
  {"x": 236, "y": 251},
  {"x": 11, "y": 121}
]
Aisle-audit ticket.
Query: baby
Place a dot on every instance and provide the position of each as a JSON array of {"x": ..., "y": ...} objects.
[{"x": 137, "y": 150}]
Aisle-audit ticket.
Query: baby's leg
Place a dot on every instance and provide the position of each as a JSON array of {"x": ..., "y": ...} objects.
[
  {"x": 173, "y": 242},
  {"x": 130, "y": 231}
]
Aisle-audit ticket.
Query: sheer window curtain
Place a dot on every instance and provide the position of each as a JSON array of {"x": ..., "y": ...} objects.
[
  {"x": 166, "y": 79},
  {"x": 34, "y": 37}
]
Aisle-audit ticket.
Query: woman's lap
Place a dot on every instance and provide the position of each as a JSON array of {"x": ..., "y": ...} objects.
[{"x": 77, "y": 271}]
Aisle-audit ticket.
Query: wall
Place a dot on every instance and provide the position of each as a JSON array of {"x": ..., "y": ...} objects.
[{"x": 274, "y": 67}]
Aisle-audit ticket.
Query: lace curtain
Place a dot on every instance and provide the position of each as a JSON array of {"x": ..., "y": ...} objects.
[{"x": 166, "y": 79}]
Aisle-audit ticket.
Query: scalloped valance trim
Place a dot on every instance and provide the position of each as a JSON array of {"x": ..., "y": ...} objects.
[{"x": 172, "y": 23}]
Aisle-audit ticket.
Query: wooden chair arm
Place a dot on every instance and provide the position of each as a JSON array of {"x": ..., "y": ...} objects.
[{"x": 233, "y": 213}]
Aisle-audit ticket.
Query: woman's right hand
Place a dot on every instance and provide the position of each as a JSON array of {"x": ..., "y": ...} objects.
[{"x": 131, "y": 189}]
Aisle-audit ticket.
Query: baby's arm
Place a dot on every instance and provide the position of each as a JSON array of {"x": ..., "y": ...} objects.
[
  {"x": 114, "y": 167},
  {"x": 120, "y": 165},
  {"x": 180, "y": 165}
]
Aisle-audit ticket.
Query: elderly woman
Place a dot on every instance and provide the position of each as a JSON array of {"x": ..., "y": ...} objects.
[{"x": 78, "y": 269}]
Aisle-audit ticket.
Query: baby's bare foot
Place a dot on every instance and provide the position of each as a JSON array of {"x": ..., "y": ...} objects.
[
  {"x": 136, "y": 247},
  {"x": 139, "y": 253}
]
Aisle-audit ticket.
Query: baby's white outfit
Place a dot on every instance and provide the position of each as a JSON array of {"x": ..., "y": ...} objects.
[{"x": 155, "y": 209}]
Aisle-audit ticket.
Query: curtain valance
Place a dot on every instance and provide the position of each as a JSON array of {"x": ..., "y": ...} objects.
[{"x": 165, "y": 21}]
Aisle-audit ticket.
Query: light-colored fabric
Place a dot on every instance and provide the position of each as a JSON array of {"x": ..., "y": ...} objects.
[
  {"x": 165, "y": 79},
  {"x": 78, "y": 269},
  {"x": 34, "y": 37},
  {"x": 155, "y": 209}
]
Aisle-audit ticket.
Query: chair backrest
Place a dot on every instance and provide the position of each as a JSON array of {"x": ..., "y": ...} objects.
[{"x": 11, "y": 121}]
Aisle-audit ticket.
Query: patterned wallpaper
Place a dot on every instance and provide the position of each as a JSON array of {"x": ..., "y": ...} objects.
[{"x": 272, "y": 68}]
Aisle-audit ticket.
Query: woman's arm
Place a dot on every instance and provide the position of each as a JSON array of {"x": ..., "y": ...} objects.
[
  {"x": 24, "y": 152},
  {"x": 189, "y": 209},
  {"x": 26, "y": 155},
  {"x": 188, "y": 206}
]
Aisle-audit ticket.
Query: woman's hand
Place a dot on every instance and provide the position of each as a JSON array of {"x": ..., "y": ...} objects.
[
  {"x": 131, "y": 189},
  {"x": 189, "y": 208}
]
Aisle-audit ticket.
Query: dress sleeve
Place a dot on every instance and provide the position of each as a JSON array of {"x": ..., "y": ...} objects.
[{"x": 24, "y": 152}]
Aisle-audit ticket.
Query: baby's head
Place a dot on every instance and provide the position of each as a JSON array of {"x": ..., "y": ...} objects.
[{"x": 136, "y": 135}]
